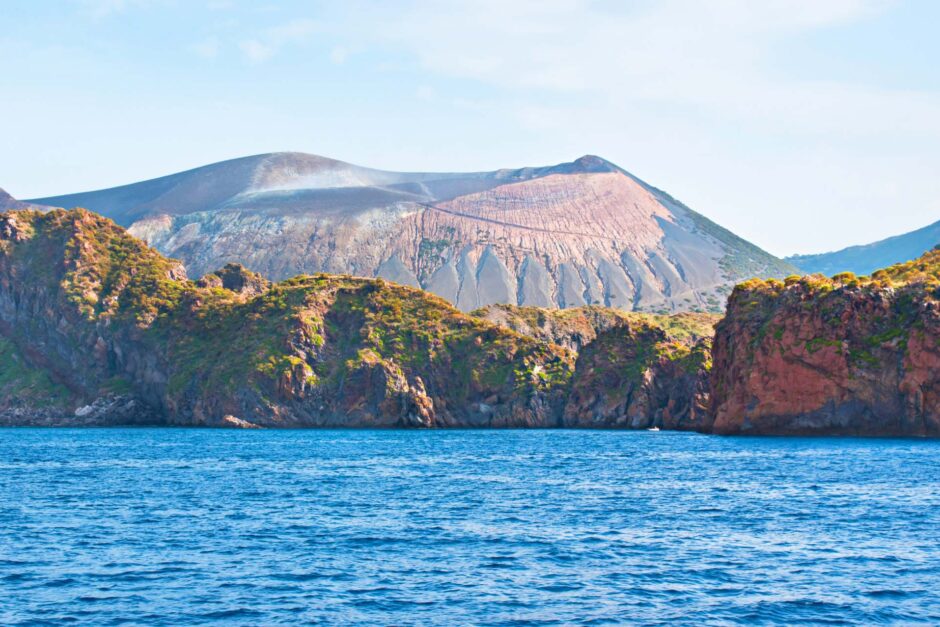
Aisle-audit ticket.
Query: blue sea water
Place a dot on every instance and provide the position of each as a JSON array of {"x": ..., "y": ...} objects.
[{"x": 187, "y": 526}]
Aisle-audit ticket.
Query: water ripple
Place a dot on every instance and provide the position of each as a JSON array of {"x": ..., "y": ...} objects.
[{"x": 168, "y": 527}]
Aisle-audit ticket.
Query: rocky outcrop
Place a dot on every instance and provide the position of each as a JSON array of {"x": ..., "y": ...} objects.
[
  {"x": 840, "y": 356},
  {"x": 34, "y": 396},
  {"x": 236, "y": 278},
  {"x": 571, "y": 328},
  {"x": 634, "y": 371},
  {"x": 633, "y": 376},
  {"x": 579, "y": 233},
  {"x": 96, "y": 328},
  {"x": 576, "y": 328},
  {"x": 28, "y": 395},
  {"x": 130, "y": 339}
]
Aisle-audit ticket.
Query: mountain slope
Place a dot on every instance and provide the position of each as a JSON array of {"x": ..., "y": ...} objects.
[
  {"x": 584, "y": 232},
  {"x": 9, "y": 203},
  {"x": 867, "y": 258}
]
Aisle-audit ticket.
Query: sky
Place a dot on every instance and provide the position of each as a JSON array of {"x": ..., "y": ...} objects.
[{"x": 801, "y": 125}]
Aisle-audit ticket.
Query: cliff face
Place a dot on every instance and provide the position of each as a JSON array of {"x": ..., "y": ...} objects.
[
  {"x": 124, "y": 332},
  {"x": 633, "y": 370},
  {"x": 635, "y": 376},
  {"x": 76, "y": 295},
  {"x": 27, "y": 393},
  {"x": 96, "y": 328},
  {"x": 108, "y": 331},
  {"x": 578, "y": 233},
  {"x": 832, "y": 356}
]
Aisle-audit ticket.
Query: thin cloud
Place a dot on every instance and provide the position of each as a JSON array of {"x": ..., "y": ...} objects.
[
  {"x": 207, "y": 48},
  {"x": 338, "y": 55},
  {"x": 690, "y": 93},
  {"x": 270, "y": 41},
  {"x": 255, "y": 51}
]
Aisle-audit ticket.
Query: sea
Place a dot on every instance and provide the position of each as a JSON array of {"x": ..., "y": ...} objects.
[{"x": 199, "y": 527}]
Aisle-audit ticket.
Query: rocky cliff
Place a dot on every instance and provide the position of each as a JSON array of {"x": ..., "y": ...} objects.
[
  {"x": 97, "y": 328},
  {"x": 102, "y": 329},
  {"x": 633, "y": 370},
  {"x": 112, "y": 332},
  {"x": 845, "y": 356},
  {"x": 585, "y": 232}
]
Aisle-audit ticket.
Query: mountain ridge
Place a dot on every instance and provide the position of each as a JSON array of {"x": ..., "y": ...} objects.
[
  {"x": 9, "y": 203},
  {"x": 576, "y": 233},
  {"x": 863, "y": 259}
]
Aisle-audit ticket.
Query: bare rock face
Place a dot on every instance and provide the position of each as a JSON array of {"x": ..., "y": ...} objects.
[
  {"x": 10, "y": 228},
  {"x": 819, "y": 357},
  {"x": 574, "y": 234},
  {"x": 113, "y": 409},
  {"x": 236, "y": 278}
]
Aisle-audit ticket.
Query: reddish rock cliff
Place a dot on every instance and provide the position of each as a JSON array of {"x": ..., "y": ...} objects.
[{"x": 841, "y": 356}]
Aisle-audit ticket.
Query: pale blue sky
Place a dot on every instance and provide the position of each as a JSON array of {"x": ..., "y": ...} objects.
[{"x": 803, "y": 125}]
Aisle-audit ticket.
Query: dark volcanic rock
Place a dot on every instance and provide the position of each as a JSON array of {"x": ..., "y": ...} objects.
[
  {"x": 236, "y": 278},
  {"x": 633, "y": 377}
]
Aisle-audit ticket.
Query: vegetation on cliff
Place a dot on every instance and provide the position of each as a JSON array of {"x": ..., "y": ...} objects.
[
  {"x": 105, "y": 312},
  {"x": 576, "y": 327},
  {"x": 844, "y": 354},
  {"x": 22, "y": 384},
  {"x": 110, "y": 316},
  {"x": 633, "y": 370},
  {"x": 98, "y": 328}
]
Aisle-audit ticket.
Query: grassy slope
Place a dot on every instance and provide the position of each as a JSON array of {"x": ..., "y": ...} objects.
[{"x": 323, "y": 327}]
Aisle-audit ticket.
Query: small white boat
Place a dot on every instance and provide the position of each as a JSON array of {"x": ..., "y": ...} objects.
[{"x": 653, "y": 429}]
